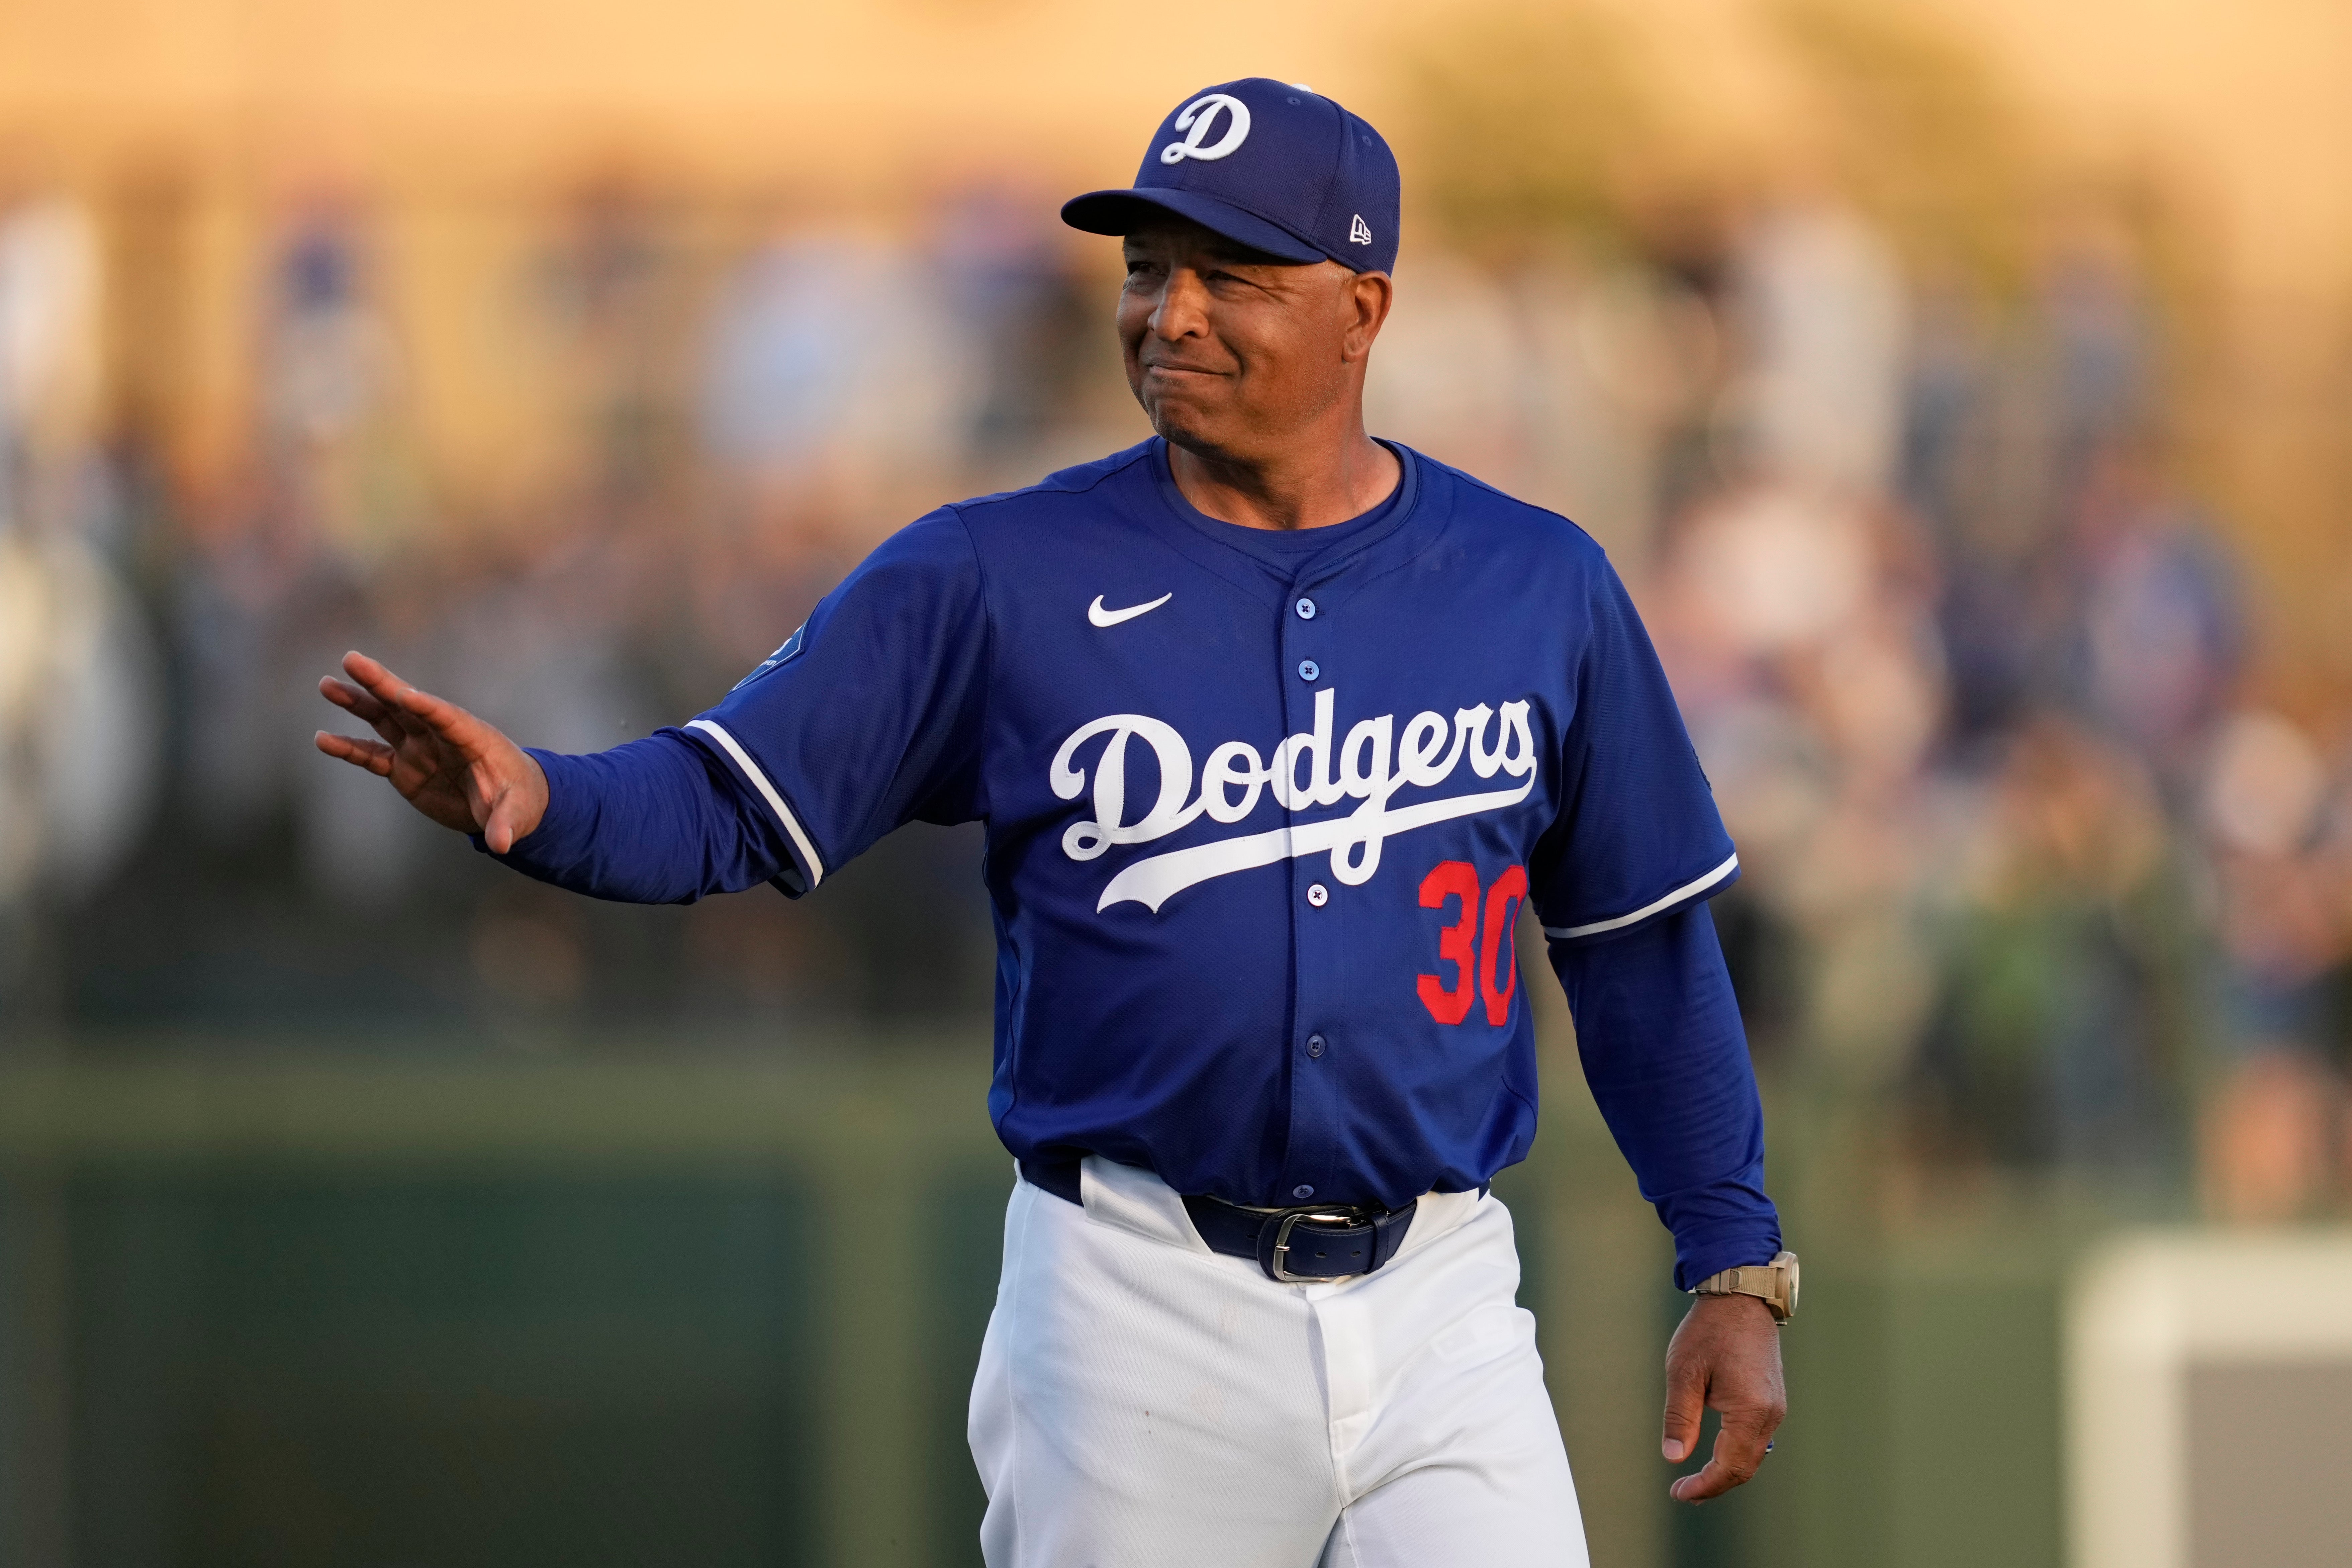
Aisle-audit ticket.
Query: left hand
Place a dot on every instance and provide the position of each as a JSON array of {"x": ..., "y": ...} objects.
[
  {"x": 1726, "y": 1356},
  {"x": 449, "y": 764}
]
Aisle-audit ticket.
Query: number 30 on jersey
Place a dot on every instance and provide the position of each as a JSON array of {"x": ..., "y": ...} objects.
[{"x": 1474, "y": 943}]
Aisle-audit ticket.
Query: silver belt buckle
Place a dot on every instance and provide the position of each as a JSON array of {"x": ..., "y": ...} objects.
[{"x": 1321, "y": 1217}]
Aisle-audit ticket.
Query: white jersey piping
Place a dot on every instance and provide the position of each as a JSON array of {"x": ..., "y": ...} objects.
[
  {"x": 768, "y": 793},
  {"x": 1565, "y": 933}
]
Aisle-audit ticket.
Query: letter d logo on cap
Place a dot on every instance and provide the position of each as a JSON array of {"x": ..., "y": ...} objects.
[{"x": 1199, "y": 118}]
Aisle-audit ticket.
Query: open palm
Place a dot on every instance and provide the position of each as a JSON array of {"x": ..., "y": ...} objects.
[{"x": 460, "y": 771}]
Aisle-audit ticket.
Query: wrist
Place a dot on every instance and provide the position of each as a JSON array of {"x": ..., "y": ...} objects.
[
  {"x": 1772, "y": 1285},
  {"x": 539, "y": 795},
  {"x": 1732, "y": 1308},
  {"x": 557, "y": 815}
]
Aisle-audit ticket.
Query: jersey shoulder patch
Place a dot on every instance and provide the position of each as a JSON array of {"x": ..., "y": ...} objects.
[{"x": 785, "y": 654}]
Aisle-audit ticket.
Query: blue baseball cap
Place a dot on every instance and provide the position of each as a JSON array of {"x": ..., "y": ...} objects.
[{"x": 1269, "y": 166}]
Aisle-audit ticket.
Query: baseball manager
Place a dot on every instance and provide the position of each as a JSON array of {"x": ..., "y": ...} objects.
[{"x": 1274, "y": 728}]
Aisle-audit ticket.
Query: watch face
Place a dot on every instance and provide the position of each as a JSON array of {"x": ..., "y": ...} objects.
[{"x": 1791, "y": 1259}]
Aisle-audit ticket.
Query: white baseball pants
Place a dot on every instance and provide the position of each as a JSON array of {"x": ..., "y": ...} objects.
[{"x": 1145, "y": 1403}]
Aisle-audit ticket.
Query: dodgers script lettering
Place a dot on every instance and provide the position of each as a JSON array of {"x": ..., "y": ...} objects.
[{"x": 1372, "y": 765}]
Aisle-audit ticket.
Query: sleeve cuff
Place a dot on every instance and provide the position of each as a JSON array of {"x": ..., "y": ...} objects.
[
  {"x": 1711, "y": 1252},
  {"x": 564, "y": 828}
]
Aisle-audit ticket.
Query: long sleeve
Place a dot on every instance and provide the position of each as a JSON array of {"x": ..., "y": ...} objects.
[
  {"x": 653, "y": 822},
  {"x": 1659, "y": 1033},
  {"x": 866, "y": 718}
]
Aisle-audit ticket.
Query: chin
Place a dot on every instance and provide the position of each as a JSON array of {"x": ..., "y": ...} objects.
[{"x": 1189, "y": 427}]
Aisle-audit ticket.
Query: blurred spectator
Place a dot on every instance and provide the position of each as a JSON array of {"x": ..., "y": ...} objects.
[
  {"x": 330, "y": 391},
  {"x": 2281, "y": 853},
  {"x": 1016, "y": 297},
  {"x": 837, "y": 373},
  {"x": 78, "y": 714},
  {"x": 1823, "y": 311},
  {"x": 2059, "y": 1036},
  {"x": 1450, "y": 375},
  {"x": 613, "y": 286},
  {"x": 2102, "y": 375},
  {"x": 1795, "y": 626},
  {"x": 2158, "y": 644},
  {"x": 277, "y": 562}
]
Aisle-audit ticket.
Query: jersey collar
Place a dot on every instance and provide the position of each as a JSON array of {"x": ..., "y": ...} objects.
[{"x": 1171, "y": 518}]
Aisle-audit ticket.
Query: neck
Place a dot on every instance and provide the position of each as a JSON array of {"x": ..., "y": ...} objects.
[{"x": 1313, "y": 486}]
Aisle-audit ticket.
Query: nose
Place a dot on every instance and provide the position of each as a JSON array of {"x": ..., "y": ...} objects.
[{"x": 1182, "y": 311}]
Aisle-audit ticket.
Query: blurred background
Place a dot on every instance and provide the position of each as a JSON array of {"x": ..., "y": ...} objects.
[{"x": 1966, "y": 391}]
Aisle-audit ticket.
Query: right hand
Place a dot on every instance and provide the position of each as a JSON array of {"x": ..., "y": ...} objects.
[
  {"x": 1726, "y": 1356},
  {"x": 449, "y": 764}
]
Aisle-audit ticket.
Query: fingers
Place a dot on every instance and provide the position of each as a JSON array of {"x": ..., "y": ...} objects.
[
  {"x": 373, "y": 678},
  {"x": 401, "y": 703},
  {"x": 1738, "y": 1454},
  {"x": 418, "y": 712},
  {"x": 372, "y": 756},
  {"x": 1685, "y": 1402},
  {"x": 352, "y": 699},
  {"x": 391, "y": 726}
]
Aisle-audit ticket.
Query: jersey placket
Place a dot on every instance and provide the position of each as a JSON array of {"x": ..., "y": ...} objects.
[{"x": 1320, "y": 904}]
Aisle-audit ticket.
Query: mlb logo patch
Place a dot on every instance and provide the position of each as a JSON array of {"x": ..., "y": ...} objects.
[{"x": 791, "y": 644}]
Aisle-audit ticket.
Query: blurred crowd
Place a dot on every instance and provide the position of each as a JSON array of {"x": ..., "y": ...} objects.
[
  {"x": 732, "y": 437},
  {"x": 2035, "y": 875}
]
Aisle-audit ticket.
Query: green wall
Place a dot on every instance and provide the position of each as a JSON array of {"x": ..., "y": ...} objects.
[{"x": 716, "y": 1310}]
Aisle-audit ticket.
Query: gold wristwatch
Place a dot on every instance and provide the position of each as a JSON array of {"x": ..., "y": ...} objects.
[{"x": 1774, "y": 1283}]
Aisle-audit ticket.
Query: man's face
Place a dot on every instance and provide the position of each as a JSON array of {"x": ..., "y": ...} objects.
[{"x": 1232, "y": 353}]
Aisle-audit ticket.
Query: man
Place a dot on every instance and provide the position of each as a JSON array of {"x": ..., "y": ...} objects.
[{"x": 1274, "y": 727}]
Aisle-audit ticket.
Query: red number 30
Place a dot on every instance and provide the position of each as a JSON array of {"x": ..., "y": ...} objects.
[{"x": 1459, "y": 944}]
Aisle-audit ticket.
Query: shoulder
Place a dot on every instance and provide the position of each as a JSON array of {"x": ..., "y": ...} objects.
[
  {"x": 1101, "y": 481},
  {"x": 960, "y": 546},
  {"x": 1481, "y": 518}
]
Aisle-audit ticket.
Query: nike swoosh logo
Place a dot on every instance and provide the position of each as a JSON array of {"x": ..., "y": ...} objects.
[{"x": 1102, "y": 617}]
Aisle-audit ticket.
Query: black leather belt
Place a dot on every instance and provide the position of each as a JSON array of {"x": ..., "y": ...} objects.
[{"x": 1300, "y": 1246}]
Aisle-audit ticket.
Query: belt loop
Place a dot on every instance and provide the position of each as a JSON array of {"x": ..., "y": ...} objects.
[
  {"x": 1389, "y": 1232},
  {"x": 1059, "y": 1177}
]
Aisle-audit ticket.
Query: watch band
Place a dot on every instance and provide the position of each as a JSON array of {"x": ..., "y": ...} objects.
[{"x": 1772, "y": 1283}]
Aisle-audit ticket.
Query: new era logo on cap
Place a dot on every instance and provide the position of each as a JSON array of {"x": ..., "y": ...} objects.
[{"x": 1268, "y": 164}]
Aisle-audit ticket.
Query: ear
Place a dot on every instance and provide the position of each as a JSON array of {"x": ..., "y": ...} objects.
[{"x": 1365, "y": 298}]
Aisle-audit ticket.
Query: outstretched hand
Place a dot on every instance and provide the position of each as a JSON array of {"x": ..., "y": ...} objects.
[
  {"x": 1725, "y": 1355},
  {"x": 460, "y": 771}
]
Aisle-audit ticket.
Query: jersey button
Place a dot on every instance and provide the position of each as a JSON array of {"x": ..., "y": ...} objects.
[
  {"x": 1309, "y": 670},
  {"x": 1306, "y": 609},
  {"x": 1314, "y": 1045},
  {"x": 1317, "y": 894},
  {"x": 1302, "y": 1191}
]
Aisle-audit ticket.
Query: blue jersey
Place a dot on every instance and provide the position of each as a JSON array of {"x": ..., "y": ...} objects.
[{"x": 1259, "y": 820}]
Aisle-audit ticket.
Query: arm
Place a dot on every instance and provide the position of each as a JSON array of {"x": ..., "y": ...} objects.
[
  {"x": 1659, "y": 1034},
  {"x": 650, "y": 822},
  {"x": 869, "y": 716},
  {"x": 653, "y": 822},
  {"x": 1658, "y": 1031}
]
